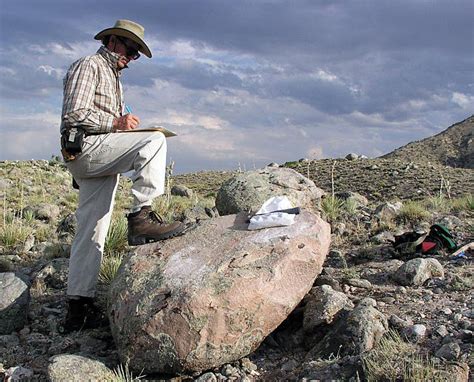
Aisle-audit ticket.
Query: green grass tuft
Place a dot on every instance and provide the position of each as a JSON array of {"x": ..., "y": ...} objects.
[
  {"x": 413, "y": 212},
  {"x": 109, "y": 268},
  {"x": 13, "y": 234},
  {"x": 396, "y": 360},
  {"x": 122, "y": 373},
  {"x": 116, "y": 241},
  {"x": 332, "y": 208}
]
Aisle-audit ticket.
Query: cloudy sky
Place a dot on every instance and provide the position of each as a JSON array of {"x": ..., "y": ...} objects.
[{"x": 246, "y": 83}]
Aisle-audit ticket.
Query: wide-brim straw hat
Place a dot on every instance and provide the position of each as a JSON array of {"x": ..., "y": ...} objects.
[{"x": 130, "y": 30}]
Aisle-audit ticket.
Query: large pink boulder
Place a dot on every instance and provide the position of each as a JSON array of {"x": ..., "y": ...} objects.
[{"x": 211, "y": 296}]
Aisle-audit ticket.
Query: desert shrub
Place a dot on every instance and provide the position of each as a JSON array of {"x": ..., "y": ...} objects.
[
  {"x": 14, "y": 233},
  {"x": 465, "y": 203},
  {"x": 29, "y": 216},
  {"x": 44, "y": 233},
  {"x": 394, "y": 359},
  {"x": 116, "y": 240},
  {"x": 122, "y": 373},
  {"x": 109, "y": 268},
  {"x": 438, "y": 203},
  {"x": 413, "y": 212},
  {"x": 332, "y": 208},
  {"x": 350, "y": 206}
]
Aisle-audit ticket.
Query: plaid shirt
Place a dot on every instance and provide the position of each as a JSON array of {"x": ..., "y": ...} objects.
[{"x": 93, "y": 94}]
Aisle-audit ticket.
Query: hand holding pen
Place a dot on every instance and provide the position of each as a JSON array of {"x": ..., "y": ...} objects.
[{"x": 128, "y": 121}]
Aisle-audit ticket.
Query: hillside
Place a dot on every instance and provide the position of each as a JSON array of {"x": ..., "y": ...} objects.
[
  {"x": 453, "y": 147},
  {"x": 430, "y": 321},
  {"x": 376, "y": 179}
]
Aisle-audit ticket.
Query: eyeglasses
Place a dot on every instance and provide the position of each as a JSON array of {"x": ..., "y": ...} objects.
[{"x": 131, "y": 51}]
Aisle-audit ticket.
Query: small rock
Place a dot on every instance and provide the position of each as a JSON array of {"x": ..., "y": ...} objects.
[
  {"x": 339, "y": 229},
  {"x": 442, "y": 331},
  {"x": 17, "y": 374},
  {"x": 449, "y": 352},
  {"x": 27, "y": 244},
  {"x": 417, "y": 271},
  {"x": 464, "y": 324},
  {"x": 9, "y": 341},
  {"x": 67, "y": 225},
  {"x": 273, "y": 164},
  {"x": 352, "y": 156},
  {"x": 247, "y": 365},
  {"x": 401, "y": 290},
  {"x": 388, "y": 211},
  {"x": 399, "y": 323},
  {"x": 70, "y": 367},
  {"x": 415, "y": 333},
  {"x": 447, "y": 311},
  {"x": 368, "y": 301},
  {"x": 353, "y": 333},
  {"x": 207, "y": 377},
  {"x": 44, "y": 211},
  {"x": 457, "y": 317},
  {"x": 328, "y": 280},
  {"x": 451, "y": 222},
  {"x": 383, "y": 237},
  {"x": 322, "y": 306},
  {"x": 335, "y": 259},
  {"x": 230, "y": 371},
  {"x": 54, "y": 274},
  {"x": 388, "y": 300},
  {"x": 14, "y": 301},
  {"x": 360, "y": 283},
  {"x": 179, "y": 190}
]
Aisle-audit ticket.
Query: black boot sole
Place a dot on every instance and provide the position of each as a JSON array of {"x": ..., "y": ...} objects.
[{"x": 145, "y": 239}]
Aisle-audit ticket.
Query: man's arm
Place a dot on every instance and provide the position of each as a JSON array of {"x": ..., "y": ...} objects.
[{"x": 78, "y": 106}]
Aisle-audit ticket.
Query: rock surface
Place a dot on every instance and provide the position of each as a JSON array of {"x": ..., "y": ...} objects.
[
  {"x": 324, "y": 303},
  {"x": 417, "y": 271},
  {"x": 354, "y": 333},
  {"x": 76, "y": 368},
  {"x": 14, "y": 300},
  {"x": 248, "y": 191},
  {"x": 212, "y": 296}
]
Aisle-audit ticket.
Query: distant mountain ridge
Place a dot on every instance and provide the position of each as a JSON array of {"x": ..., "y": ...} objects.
[{"x": 452, "y": 147}]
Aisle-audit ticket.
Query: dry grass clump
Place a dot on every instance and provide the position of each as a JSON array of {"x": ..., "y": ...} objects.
[
  {"x": 332, "y": 208},
  {"x": 466, "y": 203},
  {"x": 109, "y": 268},
  {"x": 14, "y": 233},
  {"x": 116, "y": 240},
  {"x": 122, "y": 373},
  {"x": 413, "y": 212},
  {"x": 396, "y": 360}
]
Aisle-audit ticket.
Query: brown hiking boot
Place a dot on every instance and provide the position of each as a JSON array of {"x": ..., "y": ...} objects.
[{"x": 146, "y": 226}]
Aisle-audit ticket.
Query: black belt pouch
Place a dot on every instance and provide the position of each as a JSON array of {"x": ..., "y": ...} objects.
[{"x": 72, "y": 140}]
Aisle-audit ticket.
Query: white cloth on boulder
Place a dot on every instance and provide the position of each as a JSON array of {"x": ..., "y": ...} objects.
[{"x": 266, "y": 217}]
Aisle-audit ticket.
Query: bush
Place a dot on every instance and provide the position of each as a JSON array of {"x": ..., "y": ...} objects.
[
  {"x": 413, "y": 212},
  {"x": 109, "y": 268},
  {"x": 332, "y": 208},
  {"x": 396, "y": 360},
  {"x": 13, "y": 234},
  {"x": 116, "y": 241}
]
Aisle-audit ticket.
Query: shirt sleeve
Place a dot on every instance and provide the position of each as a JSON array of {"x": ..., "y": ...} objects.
[{"x": 78, "y": 106}]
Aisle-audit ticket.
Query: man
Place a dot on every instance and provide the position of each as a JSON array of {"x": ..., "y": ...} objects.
[{"x": 96, "y": 153}]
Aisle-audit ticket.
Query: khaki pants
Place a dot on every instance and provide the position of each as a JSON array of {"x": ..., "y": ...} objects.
[{"x": 96, "y": 171}]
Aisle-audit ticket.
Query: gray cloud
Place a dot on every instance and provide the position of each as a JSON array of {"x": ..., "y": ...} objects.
[{"x": 298, "y": 77}]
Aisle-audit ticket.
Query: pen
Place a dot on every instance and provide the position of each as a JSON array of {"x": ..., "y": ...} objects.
[{"x": 128, "y": 110}]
